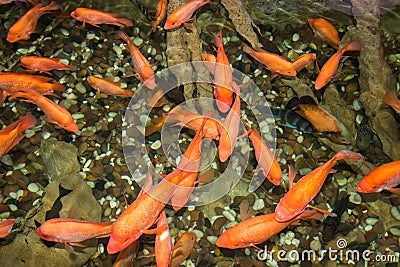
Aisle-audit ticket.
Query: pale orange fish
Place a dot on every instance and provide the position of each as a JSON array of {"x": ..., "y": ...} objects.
[
  {"x": 222, "y": 77},
  {"x": 266, "y": 160},
  {"x": 139, "y": 63},
  {"x": 385, "y": 177},
  {"x": 6, "y": 227},
  {"x": 36, "y": 63},
  {"x": 183, "y": 13},
  {"x": 25, "y": 25},
  {"x": 107, "y": 87},
  {"x": 54, "y": 113},
  {"x": 303, "y": 61},
  {"x": 300, "y": 195},
  {"x": 211, "y": 59},
  {"x": 275, "y": 63},
  {"x": 392, "y": 101},
  {"x": 330, "y": 66},
  {"x": 9, "y": 136},
  {"x": 16, "y": 82},
  {"x": 183, "y": 247},
  {"x": 127, "y": 257},
  {"x": 161, "y": 13},
  {"x": 163, "y": 244},
  {"x": 325, "y": 31},
  {"x": 95, "y": 17},
  {"x": 72, "y": 231},
  {"x": 259, "y": 229}
]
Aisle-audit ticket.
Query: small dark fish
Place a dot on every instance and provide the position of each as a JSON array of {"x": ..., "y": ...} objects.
[
  {"x": 331, "y": 224},
  {"x": 364, "y": 135},
  {"x": 293, "y": 120}
]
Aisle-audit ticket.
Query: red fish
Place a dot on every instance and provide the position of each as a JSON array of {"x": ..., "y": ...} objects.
[
  {"x": 385, "y": 177},
  {"x": 72, "y": 231},
  {"x": 54, "y": 113},
  {"x": 139, "y": 62},
  {"x": 13, "y": 83},
  {"x": 222, "y": 77},
  {"x": 182, "y": 249},
  {"x": 297, "y": 198},
  {"x": 391, "y": 101},
  {"x": 95, "y": 17},
  {"x": 5, "y": 227},
  {"x": 332, "y": 64},
  {"x": 163, "y": 245},
  {"x": 275, "y": 63},
  {"x": 161, "y": 13},
  {"x": 183, "y": 14},
  {"x": 303, "y": 61},
  {"x": 259, "y": 229},
  {"x": 9, "y": 136},
  {"x": 108, "y": 87},
  {"x": 268, "y": 163},
  {"x": 325, "y": 31},
  {"x": 127, "y": 257},
  {"x": 194, "y": 121},
  {"x": 25, "y": 25},
  {"x": 36, "y": 63},
  {"x": 230, "y": 132}
]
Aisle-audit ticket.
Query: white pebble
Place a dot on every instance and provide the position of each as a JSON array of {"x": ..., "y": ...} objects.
[
  {"x": 258, "y": 204},
  {"x": 156, "y": 145},
  {"x": 300, "y": 139},
  {"x": 46, "y": 135},
  {"x": 247, "y": 251},
  {"x": 368, "y": 228},
  {"x": 13, "y": 195},
  {"x": 395, "y": 231},
  {"x": 228, "y": 215},
  {"x": 20, "y": 193},
  {"x": 395, "y": 213},
  {"x": 113, "y": 204},
  {"x": 371, "y": 221},
  {"x": 295, "y": 37},
  {"x": 212, "y": 239},
  {"x": 100, "y": 248},
  {"x": 107, "y": 185},
  {"x": 138, "y": 41},
  {"x": 13, "y": 207},
  {"x": 199, "y": 234}
]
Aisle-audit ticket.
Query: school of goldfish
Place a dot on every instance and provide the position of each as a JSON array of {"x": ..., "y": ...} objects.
[{"x": 176, "y": 187}]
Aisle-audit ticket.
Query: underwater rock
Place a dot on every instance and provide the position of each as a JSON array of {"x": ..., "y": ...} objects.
[
  {"x": 28, "y": 250},
  {"x": 60, "y": 158}
]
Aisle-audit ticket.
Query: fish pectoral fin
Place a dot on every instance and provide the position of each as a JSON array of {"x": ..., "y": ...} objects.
[
  {"x": 69, "y": 248},
  {"x": 332, "y": 214},
  {"x": 76, "y": 244}
]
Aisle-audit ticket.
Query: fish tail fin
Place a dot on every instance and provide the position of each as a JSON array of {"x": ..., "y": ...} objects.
[
  {"x": 126, "y": 22},
  {"x": 58, "y": 87},
  {"x": 311, "y": 215},
  {"x": 123, "y": 36},
  {"x": 27, "y": 122},
  {"x": 352, "y": 46},
  {"x": 247, "y": 49},
  {"x": 218, "y": 39},
  {"x": 52, "y": 6},
  {"x": 347, "y": 154}
]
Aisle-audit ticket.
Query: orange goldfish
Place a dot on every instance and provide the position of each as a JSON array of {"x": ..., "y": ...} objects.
[
  {"x": 163, "y": 245},
  {"x": 72, "y": 231},
  {"x": 127, "y": 257},
  {"x": 5, "y": 227},
  {"x": 325, "y": 31},
  {"x": 54, "y": 113},
  {"x": 297, "y": 198},
  {"x": 9, "y": 136},
  {"x": 332, "y": 64},
  {"x": 182, "y": 249},
  {"x": 275, "y": 63},
  {"x": 194, "y": 121},
  {"x": 268, "y": 163},
  {"x": 139, "y": 63},
  {"x": 230, "y": 132},
  {"x": 222, "y": 77},
  {"x": 108, "y": 87},
  {"x": 259, "y": 229},
  {"x": 385, "y": 177},
  {"x": 95, "y": 17},
  {"x": 26, "y": 24},
  {"x": 189, "y": 167},
  {"x": 183, "y": 13},
  {"x": 303, "y": 61},
  {"x": 161, "y": 12},
  {"x": 36, "y": 63},
  {"x": 392, "y": 101},
  {"x": 15, "y": 82}
]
